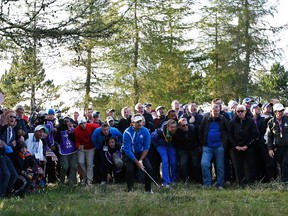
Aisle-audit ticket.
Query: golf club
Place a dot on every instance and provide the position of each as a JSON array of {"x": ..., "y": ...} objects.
[{"x": 151, "y": 177}]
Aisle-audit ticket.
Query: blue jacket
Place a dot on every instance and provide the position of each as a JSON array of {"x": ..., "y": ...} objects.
[
  {"x": 135, "y": 142},
  {"x": 158, "y": 138},
  {"x": 97, "y": 137}
]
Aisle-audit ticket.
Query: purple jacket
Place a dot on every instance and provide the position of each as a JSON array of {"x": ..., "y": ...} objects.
[
  {"x": 50, "y": 137},
  {"x": 66, "y": 145}
]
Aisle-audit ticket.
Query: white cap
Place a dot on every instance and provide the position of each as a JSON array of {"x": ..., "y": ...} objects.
[
  {"x": 159, "y": 107},
  {"x": 109, "y": 118},
  {"x": 136, "y": 118},
  {"x": 81, "y": 119},
  {"x": 278, "y": 107},
  {"x": 232, "y": 103},
  {"x": 39, "y": 127}
]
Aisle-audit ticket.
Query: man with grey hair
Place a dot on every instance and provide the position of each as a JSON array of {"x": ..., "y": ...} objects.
[
  {"x": 278, "y": 139},
  {"x": 242, "y": 134}
]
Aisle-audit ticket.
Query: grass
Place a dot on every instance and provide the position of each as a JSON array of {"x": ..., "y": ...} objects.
[{"x": 181, "y": 199}]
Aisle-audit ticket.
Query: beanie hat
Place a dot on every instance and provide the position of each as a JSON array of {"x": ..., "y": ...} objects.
[{"x": 51, "y": 112}]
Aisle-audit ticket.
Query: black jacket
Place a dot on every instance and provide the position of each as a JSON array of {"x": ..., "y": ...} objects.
[
  {"x": 275, "y": 136},
  {"x": 243, "y": 132},
  {"x": 186, "y": 140}
]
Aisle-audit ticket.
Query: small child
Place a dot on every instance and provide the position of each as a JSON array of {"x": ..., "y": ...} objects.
[
  {"x": 27, "y": 166},
  {"x": 114, "y": 162}
]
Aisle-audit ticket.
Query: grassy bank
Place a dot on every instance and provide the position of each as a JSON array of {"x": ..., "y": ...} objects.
[{"x": 181, "y": 199}]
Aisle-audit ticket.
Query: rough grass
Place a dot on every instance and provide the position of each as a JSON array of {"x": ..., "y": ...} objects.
[{"x": 181, "y": 199}]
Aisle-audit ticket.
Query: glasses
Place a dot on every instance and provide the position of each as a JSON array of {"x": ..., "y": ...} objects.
[
  {"x": 240, "y": 111},
  {"x": 12, "y": 117},
  {"x": 279, "y": 111},
  {"x": 185, "y": 125}
]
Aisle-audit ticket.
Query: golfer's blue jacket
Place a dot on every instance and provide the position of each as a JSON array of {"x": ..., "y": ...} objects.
[{"x": 135, "y": 142}]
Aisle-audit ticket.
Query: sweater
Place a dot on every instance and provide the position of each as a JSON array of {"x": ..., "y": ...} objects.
[
  {"x": 135, "y": 141},
  {"x": 83, "y": 137}
]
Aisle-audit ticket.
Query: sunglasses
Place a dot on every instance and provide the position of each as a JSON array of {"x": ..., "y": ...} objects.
[
  {"x": 185, "y": 125},
  {"x": 12, "y": 117},
  {"x": 279, "y": 111},
  {"x": 240, "y": 111}
]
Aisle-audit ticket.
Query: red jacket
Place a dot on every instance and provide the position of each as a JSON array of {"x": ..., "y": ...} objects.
[{"x": 83, "y": 137}]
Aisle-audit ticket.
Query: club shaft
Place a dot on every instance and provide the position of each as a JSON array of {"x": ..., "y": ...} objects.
[{"x": 151, "y": 178}]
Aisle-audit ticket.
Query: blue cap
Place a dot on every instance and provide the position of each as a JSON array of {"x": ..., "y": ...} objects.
[
  {"x": 51, "y": 112},
  {"x": 255, "y": 105},
  {"x": 247, "y": 100}
]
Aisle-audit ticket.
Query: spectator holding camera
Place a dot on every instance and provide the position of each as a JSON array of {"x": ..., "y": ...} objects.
[{"x": 67, "y": 151}]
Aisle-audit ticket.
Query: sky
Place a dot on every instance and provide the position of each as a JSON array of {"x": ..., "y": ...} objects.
[{"x": 57, "y": 67}]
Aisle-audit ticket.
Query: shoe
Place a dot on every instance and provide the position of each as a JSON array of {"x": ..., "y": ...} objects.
[
  {"x": 130, "y": 189},
  {"x": 149, "y": 192},
  {"x": 220, "y": 188},
  {"x": 89, "y": 184},
  {"x": 166, "y": 186},
  {"x": 103, "y": 183},
  {"x": 227, "y": 183}
]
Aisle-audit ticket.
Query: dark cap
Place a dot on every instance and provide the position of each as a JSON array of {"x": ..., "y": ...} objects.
[
  {"x": 96, "y": 114},
  {"x": 171, "y": 110},
  {"x": 147, "y": 104},
  {"x": 159, "y": 107},
  {"x": 20, "y": 145},
  {"x": 267, "y": 104},
  {"x": 110, "y": 110}
]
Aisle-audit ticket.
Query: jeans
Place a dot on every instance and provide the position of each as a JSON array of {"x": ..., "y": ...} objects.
[
  {"x": 207, "y": 156},
  {"x": 8, "y": 175},
  {"x": 68, "y": 162},
  {"x": 169, "y": 164},
  {"x": 85, "y": 160},
  {"x": 189, "y": 165}
]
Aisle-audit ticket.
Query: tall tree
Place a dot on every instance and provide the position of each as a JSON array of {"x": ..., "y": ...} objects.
[
  {"x": 26, "y": 80},
  {"x": 239, "y": 35},
  {"x": 274, "y": 84},
  {"x": 149, "y": 55},
  {"x": 90, "y": 50}
]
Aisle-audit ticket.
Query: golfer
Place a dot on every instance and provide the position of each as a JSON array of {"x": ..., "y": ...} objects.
[{"x": 136, "y": 143}]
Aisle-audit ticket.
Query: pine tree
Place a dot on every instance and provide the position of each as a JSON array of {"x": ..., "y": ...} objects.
[
  {"x": 273, "y": 84},
  {"x": 238, "y": 35},
  {"x": 26, "y": 80}
]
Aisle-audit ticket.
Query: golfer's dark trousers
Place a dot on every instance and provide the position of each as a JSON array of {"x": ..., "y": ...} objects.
[{"x": 131, "y": 168}]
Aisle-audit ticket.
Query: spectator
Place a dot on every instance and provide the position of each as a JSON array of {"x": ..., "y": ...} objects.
[
  {"x": 187, "y": 145},
  {"x": 242, "y": 135},
  {"x": 86, "y": 150},
  {"x": 278, "y": 139},
  {"x": 162, "y": 139},
  {"x": 67, "y": 151},
  {"x": 100, "y": 138},
  {"x": 213, "y": 137}
]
